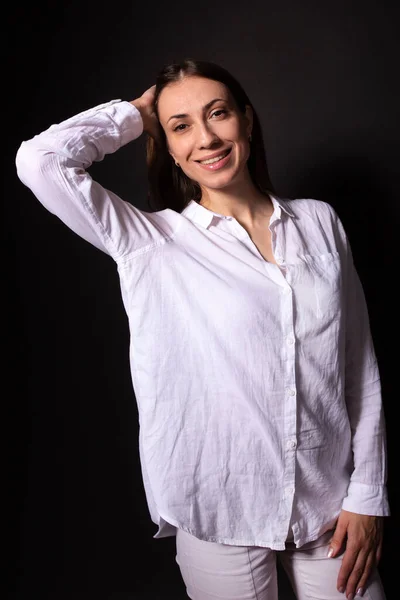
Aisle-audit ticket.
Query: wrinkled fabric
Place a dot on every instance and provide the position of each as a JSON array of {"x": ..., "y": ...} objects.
[
  {"x": 257, "y": 386},
  {"x": 224, "y": 572}
]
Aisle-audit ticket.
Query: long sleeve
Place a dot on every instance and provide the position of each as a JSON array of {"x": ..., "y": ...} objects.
[
  {"x": 367, "y": 493},
  {"x": 54, "y": 166}
]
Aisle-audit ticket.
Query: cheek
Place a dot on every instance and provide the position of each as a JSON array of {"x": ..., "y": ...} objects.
[
  {"x": 243, "y": 150},
  {"x": 179, "y": 148},
  {"x": 170, "y": 146},
  {"x": 173, "y": 144}
]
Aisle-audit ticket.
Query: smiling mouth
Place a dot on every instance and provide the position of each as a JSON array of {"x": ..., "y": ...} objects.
[{"x": 211, "y": 161}]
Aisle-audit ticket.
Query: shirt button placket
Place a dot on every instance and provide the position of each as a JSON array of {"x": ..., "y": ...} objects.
[{"x": 290, "y": 395}]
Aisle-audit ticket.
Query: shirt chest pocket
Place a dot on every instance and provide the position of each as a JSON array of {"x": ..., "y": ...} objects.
[{"x": 321, "y": 274}]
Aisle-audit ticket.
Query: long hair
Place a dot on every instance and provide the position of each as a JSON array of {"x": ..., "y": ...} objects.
[{"x": 169, "y": 187}]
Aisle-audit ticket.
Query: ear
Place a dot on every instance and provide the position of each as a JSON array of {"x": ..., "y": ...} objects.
[{"x": 248, "y": 116}]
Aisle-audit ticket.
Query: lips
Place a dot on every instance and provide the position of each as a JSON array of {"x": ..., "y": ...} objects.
[
  {"x": 216, "y": 155},
  {"x": 221, "y": 160}
]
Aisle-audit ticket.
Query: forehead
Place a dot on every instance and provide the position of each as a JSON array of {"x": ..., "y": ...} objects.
[{"x": 189, "y": 95}]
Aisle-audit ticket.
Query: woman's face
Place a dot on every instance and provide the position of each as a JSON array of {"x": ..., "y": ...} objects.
[{"x": 202, "y": 122}]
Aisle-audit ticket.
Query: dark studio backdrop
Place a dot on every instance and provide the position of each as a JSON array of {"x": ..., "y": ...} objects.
[{"x": 323, "y": 78}]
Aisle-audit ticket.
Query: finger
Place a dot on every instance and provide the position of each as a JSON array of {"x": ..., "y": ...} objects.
[
  {"x": 337, "y": 540},
  {"x": 378, "y": 553},
  {"x": 362, "y": 583},
  {"x": 356, "y": 575},
  {"x": 348, "y": 561}
]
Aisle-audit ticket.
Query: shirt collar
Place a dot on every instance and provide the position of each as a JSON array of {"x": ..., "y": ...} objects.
[{"x": 203, "y": 216}]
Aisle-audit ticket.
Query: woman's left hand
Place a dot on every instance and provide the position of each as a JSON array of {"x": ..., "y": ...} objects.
[{"x": 362, "y": 536}]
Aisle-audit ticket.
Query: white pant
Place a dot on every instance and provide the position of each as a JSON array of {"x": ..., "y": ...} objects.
[{"x": 218, "y": 571}]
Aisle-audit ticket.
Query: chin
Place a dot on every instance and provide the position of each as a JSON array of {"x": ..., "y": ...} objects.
[
  {"x": 225, "y": 175},
  {"x": 220, "y": 182}
]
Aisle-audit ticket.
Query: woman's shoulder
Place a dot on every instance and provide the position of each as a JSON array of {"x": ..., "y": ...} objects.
[
  {"x": 318, "y": 217},
  {"x": 311, "y": 207}
]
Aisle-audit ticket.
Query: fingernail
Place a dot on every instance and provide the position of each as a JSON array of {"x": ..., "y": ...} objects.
[
  {"x": 360, "y": 591},
  {"x": 330, "y": 552},
  {"x": 350, "y": 597},
  {"x": 341, "y": 590}
]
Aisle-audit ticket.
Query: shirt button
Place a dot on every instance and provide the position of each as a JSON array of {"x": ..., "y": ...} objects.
[
  {"x": 287, "y": 290},
  {"x": 279, "y": 260},
  {"x": 289, "y": 490},
  {"x": 291, "y": 445},
  {"x": 290, "y": 340},
  {"x": 292, "y": 392}
]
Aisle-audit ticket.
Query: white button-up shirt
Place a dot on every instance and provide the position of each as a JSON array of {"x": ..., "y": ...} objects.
[{"x": 257, "y": 386}]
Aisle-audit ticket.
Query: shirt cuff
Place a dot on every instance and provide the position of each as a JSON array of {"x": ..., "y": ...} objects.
[
  {"x": 367, "y": 499},
  {"x": 126, "y": 117}
]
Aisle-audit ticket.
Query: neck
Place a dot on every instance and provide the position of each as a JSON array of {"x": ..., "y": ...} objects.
[{"x": 242, "y": 201}]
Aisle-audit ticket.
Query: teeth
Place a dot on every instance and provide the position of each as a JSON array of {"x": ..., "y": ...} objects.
[{"x": 213, "y": 160}]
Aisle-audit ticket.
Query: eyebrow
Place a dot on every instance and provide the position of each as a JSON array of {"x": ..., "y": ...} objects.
[{"x": 205, "y": 107}]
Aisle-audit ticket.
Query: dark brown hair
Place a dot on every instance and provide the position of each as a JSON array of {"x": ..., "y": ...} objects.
[{"x": 169, "y": 187}]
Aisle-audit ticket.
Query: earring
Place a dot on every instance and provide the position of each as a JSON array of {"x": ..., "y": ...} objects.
[
  {"x": 250, "y": 138},
  {"x": 177, "y": 164}
]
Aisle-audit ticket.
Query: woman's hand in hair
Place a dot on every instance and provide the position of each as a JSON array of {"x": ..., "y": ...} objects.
[{"x": 145, "y": 105}]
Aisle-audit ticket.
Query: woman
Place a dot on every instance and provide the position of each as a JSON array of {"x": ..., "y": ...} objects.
[{"x": 261, "y": 424}]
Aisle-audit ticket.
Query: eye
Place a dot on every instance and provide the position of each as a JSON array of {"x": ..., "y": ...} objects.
[
  {"x": 178, "y": 126},
  {"x": 218, "y": 112}
]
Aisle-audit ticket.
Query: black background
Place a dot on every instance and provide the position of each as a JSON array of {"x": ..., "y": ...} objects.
[{"x": 323, "y": 77}]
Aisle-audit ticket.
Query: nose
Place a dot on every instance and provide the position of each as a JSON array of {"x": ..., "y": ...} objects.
[{"x": 207, "y": 137}]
